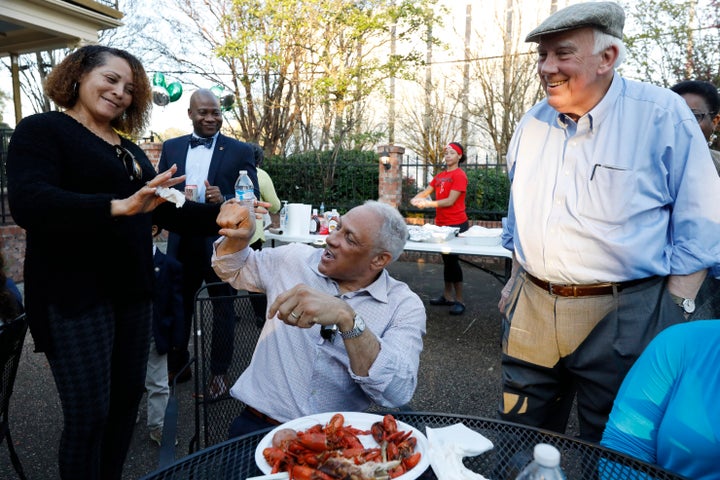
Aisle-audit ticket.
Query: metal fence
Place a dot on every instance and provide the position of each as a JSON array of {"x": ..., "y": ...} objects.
[
  {"x": 351, "y": 182},
  {"x": 416, "y": 167},
  {"x": 486, "y": 196}
]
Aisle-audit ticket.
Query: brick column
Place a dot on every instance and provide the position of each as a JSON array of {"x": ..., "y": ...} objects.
[
  {"x": 152, "y": 150},
  {"x": 390, "y": 178}
]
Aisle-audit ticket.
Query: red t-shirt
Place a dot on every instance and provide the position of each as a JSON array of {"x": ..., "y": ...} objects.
[{"x": 443, "y": 183}]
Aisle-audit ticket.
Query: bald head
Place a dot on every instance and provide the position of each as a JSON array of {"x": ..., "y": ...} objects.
[
  {"x": 205, "y": 113},
  {"x": 203, "y": 94}
]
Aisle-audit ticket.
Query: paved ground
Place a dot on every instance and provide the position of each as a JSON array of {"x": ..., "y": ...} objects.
[{"x": 459, "y": 373}]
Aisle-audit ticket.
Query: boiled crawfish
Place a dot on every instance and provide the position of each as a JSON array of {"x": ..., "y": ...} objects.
[
  {"x": 335, "y": 452},
  {"x": 395, "y": 445}
]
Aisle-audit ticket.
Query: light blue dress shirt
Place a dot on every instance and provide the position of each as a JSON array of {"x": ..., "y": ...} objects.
[
  {"x": 626, "y": 192},
  {"x": 294, "y": 372}
]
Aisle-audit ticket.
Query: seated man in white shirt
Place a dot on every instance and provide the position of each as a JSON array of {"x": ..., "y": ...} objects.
[{"x": 341, "y": 333}]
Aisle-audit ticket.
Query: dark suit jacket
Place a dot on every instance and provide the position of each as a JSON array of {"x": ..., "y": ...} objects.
[
  {"x": 229, "y": 157},
  {"x": 168, "y": 319}
]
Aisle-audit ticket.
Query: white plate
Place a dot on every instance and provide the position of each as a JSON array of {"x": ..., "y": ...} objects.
[{"x": 359, "y": 420}]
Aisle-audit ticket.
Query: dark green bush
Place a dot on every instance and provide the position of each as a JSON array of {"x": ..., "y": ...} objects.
[
  {"x": 488, "y": 191},
  {"x": 314, "y": 178}
]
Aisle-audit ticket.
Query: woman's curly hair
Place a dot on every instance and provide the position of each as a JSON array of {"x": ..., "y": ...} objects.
[{"x": 63, "y": 83}]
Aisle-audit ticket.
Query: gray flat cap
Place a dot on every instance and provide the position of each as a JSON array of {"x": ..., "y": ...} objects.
[{"x": 609, "y": 17}]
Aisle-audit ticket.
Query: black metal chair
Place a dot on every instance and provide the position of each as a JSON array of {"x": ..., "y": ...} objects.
[
  {"x": 226, "y": 332},
  {"x": 12, "y": 338}
]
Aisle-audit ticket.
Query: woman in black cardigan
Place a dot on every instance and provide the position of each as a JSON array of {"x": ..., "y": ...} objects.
[{"x": 86, "y": 197}]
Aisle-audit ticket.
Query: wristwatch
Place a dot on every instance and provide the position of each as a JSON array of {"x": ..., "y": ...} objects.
[
  {"x": 687, "y": 304},
  {"x": 358, "y": 328}
]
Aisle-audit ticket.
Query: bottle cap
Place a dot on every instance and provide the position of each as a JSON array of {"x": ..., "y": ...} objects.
[
  {"x": 243, "y": 172},
  {"x": 546, "y": 455}
]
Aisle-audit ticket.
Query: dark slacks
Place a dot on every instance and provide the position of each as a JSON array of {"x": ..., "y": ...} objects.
[
  {"x": 452, "y": 273},
  {"x": 556, "y": 348},
  {"x": 98, "y": 361}
]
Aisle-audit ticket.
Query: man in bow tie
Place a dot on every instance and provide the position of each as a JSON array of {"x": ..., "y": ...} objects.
[{"x": 211, "y": 162}]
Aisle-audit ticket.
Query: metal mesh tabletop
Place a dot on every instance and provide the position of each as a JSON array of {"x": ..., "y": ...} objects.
[{"x": 512, "y": 450}]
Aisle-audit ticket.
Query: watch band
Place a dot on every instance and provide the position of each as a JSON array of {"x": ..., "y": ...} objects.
[{"x": 357, "y": 330}]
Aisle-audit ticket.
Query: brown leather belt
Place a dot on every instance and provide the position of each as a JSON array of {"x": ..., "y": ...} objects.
[
  {"x": 261, "y": 415},
  {"x": 585, "y": 290}
]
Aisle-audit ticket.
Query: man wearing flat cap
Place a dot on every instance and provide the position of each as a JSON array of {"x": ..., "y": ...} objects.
[{"x": 613, "y": 220}]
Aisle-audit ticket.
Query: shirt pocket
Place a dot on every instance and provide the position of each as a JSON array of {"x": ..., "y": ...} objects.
[{"x": 608, "y": 194}]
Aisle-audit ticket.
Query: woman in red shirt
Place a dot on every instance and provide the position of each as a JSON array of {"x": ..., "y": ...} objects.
[{"x": 450, "y": 187}]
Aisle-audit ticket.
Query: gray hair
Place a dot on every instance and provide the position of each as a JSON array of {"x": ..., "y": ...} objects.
[
  {"x": 393, "y": 231},
  {"x": 604, "y": 40}
]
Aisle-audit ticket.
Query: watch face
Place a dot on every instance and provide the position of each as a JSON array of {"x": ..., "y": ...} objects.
[
  {"x": 688, "y": 305},
  {"x": 358, "y": 328}
]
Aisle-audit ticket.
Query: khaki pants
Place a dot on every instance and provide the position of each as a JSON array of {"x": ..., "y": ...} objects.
[{"x": 555, "y": 348}]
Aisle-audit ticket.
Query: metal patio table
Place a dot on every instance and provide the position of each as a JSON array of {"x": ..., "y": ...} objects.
[{"x": 512, "y": 450}]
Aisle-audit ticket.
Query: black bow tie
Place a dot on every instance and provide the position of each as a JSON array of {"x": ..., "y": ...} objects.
[{"x": 197, "y": 141}]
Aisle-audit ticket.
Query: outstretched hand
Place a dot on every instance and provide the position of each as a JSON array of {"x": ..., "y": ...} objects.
[
  {"x": 145, "y": 200},
  {"x": 237, "y": 225}
]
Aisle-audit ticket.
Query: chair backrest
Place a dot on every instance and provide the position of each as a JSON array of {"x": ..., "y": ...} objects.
[
  {"x": 12, "y": 338},
  {"x": 226, "y": 331}
]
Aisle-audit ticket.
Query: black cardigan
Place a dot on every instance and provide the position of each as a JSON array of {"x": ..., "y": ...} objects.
[{"x": 61, "y": 179}]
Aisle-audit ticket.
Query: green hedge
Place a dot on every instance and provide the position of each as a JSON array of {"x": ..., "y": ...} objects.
[
  {"x": 314, "y": 178},
  {"x": 488, "y": 190}
]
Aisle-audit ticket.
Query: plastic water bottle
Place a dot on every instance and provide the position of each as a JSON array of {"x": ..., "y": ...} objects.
[
  {"x": 283, "y": 216},
  {"x": 245, "y": 190},
  {"x": 545, "y": 464}
]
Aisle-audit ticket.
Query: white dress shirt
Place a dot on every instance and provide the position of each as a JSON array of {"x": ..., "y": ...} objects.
[{"x": 197, "y": 165}]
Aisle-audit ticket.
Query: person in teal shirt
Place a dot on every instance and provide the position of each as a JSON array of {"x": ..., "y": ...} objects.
[{"x": 666, "y": 411}]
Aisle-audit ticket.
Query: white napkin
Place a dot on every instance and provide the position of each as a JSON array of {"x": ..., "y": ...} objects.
[
  {"x": 448, "y": 446},
  {"x": 171, "y": 195}
]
